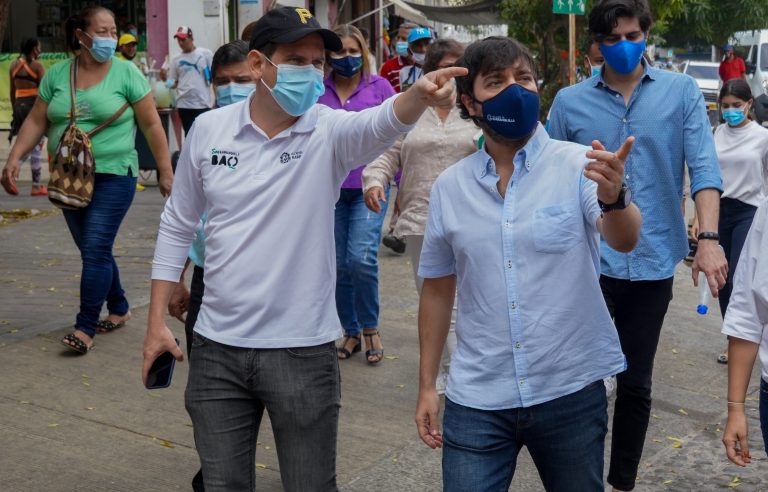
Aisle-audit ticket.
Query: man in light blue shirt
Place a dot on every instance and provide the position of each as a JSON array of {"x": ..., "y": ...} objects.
[
  {"x": 665, "y": 112},
  {"x": 516, "y": 225}
]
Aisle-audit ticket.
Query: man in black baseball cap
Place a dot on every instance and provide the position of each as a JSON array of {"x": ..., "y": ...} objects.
[
  {"x": 268, "y": 170},
  {"x": 288, "y": 24}
]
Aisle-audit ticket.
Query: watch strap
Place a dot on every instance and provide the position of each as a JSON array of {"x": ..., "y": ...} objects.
[{"x": 708, "y": 235}]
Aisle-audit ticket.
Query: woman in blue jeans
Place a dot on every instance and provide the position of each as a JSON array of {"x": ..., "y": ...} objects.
[
  {"x": 351, "y": 86},
  {"x": 103, "y": 85},
  {"x": 742, "y": 149}
]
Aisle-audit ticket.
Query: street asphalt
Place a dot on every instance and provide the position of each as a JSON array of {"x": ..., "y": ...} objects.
[{"x": 70, "y": 423}]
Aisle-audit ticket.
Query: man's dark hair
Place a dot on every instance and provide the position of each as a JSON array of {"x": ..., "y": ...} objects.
[
  {"x": 438, "y": 50},
  {"x": 28, "y": 45},
  {"x": 738, "y": 88},
  {"x": 228, "y": 54},
  {"x": 605, "y": 15},
  {"x": 485, "y": 56}
]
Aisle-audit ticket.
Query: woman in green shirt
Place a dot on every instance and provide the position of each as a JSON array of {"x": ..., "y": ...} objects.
[{"x": 104, "y": 84}]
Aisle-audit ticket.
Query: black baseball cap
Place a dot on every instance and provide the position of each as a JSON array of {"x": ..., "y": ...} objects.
[{"x": 285, "y": 25}]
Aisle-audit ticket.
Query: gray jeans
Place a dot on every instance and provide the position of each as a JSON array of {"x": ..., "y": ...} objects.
[{"x": 228, "y": 390}]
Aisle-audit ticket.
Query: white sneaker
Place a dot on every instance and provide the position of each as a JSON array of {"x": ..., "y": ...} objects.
[{"x": 610, "y": 386}]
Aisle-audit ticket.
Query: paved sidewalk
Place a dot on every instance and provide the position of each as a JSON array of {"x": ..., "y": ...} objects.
[{"x": 86, "y": 423}]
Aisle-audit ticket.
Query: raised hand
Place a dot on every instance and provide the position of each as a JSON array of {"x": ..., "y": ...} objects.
[{"x": 607, "y": 169}]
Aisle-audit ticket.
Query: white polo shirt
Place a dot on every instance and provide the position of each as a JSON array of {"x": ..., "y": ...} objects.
[
  {"x": 270, "y": 266},
  {"x": 747, "y": 314}
]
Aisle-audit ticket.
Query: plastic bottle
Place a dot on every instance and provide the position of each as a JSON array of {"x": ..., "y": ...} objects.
[{"x": 704, "y": 294}]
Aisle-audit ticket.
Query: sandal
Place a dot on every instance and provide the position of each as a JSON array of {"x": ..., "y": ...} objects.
[
  {"x": 373, "y": 352},
  {"x": 107, "y": 326},
  {"x": 72, "y": 342},
  {"x": 722, "y": 358},
  {"x": 342, "y": 353}
]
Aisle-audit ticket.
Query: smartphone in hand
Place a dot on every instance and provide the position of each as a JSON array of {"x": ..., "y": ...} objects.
[{"x": 161, "y": 372}]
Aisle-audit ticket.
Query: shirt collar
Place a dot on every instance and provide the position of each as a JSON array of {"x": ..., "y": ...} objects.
[
  {"x": 305, "y": 123},
  {"x": 529, "y": 154},
  {"x": 648, "y": 73}
]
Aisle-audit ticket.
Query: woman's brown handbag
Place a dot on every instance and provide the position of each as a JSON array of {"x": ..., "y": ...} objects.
[{"x": 73, "y": 169}]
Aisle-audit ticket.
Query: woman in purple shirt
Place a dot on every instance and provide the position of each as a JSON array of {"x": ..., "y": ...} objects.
[{"x": 352, "y": 87}]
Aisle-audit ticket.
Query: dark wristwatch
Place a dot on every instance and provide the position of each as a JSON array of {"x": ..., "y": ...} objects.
[
  {"x": 625, "y": 198},
  {"x": 708, "y": 235}
]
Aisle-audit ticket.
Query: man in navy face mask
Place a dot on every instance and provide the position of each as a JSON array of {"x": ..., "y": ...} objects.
[
  {"x": 516, "y": 226},
  {"x": 665, "y": 112}
]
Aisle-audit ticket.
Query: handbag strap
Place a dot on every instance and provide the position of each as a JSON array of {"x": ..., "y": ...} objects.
[{"x": 73, "y": 88}]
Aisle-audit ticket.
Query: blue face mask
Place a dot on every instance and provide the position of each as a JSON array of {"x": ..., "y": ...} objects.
[
  {"x": 347, "y": 66},
  {"x": 734, "y": 117},
  {"x": 596, "y": 69},
  {"x": 401, "y": 48},
  {"x": 297, "y": 87},
  {"x": 232, "y": 93},
  {"x": 512, "y": 113},
  {"x": 102, "y": 49},
  {"x": 624, "y": 55}
]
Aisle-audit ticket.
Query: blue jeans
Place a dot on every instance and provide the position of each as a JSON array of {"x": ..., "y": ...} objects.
[
  {"x": 565, "y": 437},
  {"x": 764, "y": 412},
  {"x": 94, "y": 229},
  {"x": 735, "y": 221},
  {"x": 227, "y": 392},
  {"x": 358, "y": 234}
]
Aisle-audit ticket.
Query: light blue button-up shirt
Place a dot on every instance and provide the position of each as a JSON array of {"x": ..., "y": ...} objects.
[
  {"x": 532, "y": 324},
  {"x": 667, "y": 116}
]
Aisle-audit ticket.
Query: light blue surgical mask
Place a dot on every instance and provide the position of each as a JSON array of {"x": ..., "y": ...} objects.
[
  {"x": 232, "y": 93},
  {"x": 734, "y": 117},
  {"x": 596, "y": 69},
  {"x": 102, "y": 49},
  {"x": 401, "y": 48},
  {"x": 297, "y": 88}
]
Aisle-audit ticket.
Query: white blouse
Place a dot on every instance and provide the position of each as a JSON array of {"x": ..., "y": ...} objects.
[
  {"x": 426, "y": 151},
  {"x": 743, "y": 155}
]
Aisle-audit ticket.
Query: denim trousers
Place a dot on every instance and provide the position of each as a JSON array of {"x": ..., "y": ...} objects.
[
  {"x": 764, "y": 412},
  {"x": 565, "y": 437},
  {"x": 358, "y": 234},
  {"x": 94, "y": 229},
  {"x": 227, "y": 392},
  {"x": 735, "y": 221},
  {"x": 638, "y": 309}
]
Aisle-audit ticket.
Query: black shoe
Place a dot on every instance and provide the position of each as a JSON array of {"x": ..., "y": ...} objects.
[{"x": 396, "y": 244}]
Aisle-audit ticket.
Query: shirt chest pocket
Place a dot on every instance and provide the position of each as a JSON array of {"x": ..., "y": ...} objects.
[{"x": 556, "y": 229}]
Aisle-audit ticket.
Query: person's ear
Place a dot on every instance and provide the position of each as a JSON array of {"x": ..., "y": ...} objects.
[
  {"x": 469, "y": 104},
  {"x": 256, "y": 64}
]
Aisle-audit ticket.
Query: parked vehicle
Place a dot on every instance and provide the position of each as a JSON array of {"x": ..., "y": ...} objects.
[{"x": 708, "y": 79}]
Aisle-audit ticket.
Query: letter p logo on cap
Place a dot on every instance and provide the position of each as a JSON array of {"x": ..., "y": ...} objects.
[{"x": 304, "y": 14}]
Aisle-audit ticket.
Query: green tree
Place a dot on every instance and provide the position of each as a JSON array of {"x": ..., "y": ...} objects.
[{"x": 713, "y": 21}]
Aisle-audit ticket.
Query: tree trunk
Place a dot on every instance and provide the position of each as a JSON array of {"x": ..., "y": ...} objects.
[{"x": 4, "y": 8}]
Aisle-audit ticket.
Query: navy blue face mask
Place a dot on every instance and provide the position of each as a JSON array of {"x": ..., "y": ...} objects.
[
  {"x": 347, "y": 66},
  {"x": 513, "y": 113}
]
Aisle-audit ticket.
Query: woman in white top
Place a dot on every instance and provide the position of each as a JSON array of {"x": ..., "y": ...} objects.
[
  {"x": 742, "y": 148},
  {"x": 440, "y": 139},
  {"x": 746, "y": 324}
]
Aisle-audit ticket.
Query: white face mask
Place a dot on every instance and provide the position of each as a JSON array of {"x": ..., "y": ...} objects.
[{"x": 419, "y": 58}]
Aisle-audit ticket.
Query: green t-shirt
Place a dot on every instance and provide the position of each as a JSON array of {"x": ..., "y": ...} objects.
[{"x": 114, "y": 147}]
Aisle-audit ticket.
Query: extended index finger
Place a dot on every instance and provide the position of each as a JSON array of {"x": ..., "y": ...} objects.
[
  {"x": 445, "y": 74},
  {"x": 625, "y": 148}
]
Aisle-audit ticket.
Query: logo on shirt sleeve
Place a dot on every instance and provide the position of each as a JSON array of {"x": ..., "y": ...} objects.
[{"x": 225, "y": 158}]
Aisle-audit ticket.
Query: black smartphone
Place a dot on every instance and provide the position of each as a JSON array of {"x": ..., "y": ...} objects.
[{"x": 161, "y": 372}]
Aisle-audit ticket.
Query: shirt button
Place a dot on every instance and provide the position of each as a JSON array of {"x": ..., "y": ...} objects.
[
  {"x": 513, "y": 305},
  {"x": 508, "y": 224},
  {"x": 522, "y": 381},
  {"x": 509, "y": 263},
  {"x": 517, "y": 345},
  {"x": 624, "y": 120}
]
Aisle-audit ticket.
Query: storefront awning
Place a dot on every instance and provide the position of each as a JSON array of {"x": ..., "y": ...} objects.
[
  {"x": 480, "y": 13},
  {"x": 409, "y": 12}
]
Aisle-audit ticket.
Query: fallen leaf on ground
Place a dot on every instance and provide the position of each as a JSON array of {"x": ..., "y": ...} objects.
[
  {"x": 682, "y": 412},
  {"x": 261, "y": 465},
  {"x": 655, "y": 416},
  {"x": 657, "y": 440},
  {"x": 677, "y": 445},
  {"x": 23, "y": 402},
  {"x": 267, "y": 447},
  {"x": 15, "y": 330},
  {"x": 90, "y": 408},
  {"x": 86, "y": 383},
  {"x": 674, "y": 351},
  {"x": 676, "y": 439},
  {"x": 391, "y": 357},
  {"x": 735, "y": 482},
  {"x": 667, "y": 482},
  {"x": 164, "y": 443},
  {"x": 53, "y": 425},
  {"x": 51, "y": 289},
  {"x": 401, "y": 386}
]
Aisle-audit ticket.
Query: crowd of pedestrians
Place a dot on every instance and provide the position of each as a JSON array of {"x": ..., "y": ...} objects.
[{"x": 543, "y": 256}]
